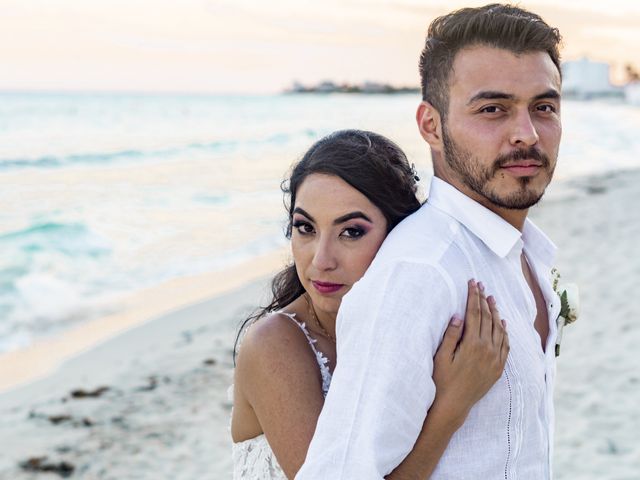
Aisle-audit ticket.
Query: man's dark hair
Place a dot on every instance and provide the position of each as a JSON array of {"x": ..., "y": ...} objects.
[{"x": 495, "y": 25}]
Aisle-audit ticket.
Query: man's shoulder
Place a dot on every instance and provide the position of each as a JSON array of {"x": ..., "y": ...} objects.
[
  {"x": 422, "y": 237},
  {"x": 416, "y": 274},
  {"x": 417, "y": 253}
]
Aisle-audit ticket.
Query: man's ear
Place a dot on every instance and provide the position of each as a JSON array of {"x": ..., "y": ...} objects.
[{"x": 430, "y": 125}]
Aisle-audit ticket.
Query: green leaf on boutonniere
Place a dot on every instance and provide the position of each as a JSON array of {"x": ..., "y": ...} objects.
[{"x": 564, "y": 305}]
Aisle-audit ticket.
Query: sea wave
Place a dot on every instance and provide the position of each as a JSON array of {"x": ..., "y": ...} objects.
[
  {"x": 133, "y": 155},
  {"x": 73, "y": 239},
  {"x": 38, "y": 289}
]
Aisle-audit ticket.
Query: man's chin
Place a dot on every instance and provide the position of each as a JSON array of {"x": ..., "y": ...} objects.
[
  {"x": 518, "y": 194},
  {"x": 518, "y": 200}
]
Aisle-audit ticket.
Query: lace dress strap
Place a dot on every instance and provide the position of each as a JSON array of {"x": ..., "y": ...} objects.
[
  {"x": 320, "y": 357},
  {"x": 253, "y": 459}
]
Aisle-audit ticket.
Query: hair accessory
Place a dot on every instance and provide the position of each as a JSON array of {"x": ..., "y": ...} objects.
[{"x": 414, "y": 172}]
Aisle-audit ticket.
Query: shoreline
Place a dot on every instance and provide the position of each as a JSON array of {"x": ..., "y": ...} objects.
[
  {"x": 157, "y": 388},
  {"x": 23, "y": 366}
]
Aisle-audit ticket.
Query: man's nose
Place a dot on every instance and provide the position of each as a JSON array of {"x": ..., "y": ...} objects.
[
  {"x": 524, "y": 133},
  {"x": 324, "y": 257}
]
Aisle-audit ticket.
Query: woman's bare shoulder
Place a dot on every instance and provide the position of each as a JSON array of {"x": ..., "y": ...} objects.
[
  {"x": 275, "y": 345},
  {"x": 271, "y": 332},
  {"x": 275, "y": 371}
]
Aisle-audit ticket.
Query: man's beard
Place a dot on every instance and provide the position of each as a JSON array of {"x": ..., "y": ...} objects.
[{"x": 477, "y": 178}]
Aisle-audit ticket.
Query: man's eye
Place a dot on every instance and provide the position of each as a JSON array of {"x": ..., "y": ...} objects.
[
  {"x": 491, "y": 109},
  {"x": 546, "y": 108}
]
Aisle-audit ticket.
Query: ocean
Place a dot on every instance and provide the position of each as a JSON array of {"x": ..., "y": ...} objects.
[{"x": 102, "y": 195}]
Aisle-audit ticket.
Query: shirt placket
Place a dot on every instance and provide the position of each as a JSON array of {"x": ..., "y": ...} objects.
[
  {"x": 553, "y": 308},
  {"x": 528, "y": 328},
  {"x": 553, "y": 311}
]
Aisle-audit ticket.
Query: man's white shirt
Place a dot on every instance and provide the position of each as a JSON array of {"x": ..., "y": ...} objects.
[{"x": 390, "y": 325}]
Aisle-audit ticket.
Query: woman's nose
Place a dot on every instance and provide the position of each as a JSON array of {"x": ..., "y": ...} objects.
[{"x": 324, "y": 257}]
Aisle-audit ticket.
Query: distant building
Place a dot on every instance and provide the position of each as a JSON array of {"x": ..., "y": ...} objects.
[
  {"x": 374, "y": 87},
  {"x": 632, "y": 93},
  {"x": 297, "y": 87},
  {"x": 587, "y": 79},
  {"x": 326, "y": 87},
  {"x": 367, "y": 87}
]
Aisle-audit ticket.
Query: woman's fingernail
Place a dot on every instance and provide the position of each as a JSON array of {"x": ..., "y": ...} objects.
[
  {"x": 456, "y": 321},
  {"x": 504, "y": 323},
  {"x": 481, "y": 286},
  {"x": 472, "y": 283},
  {"x": 491, "y": 300}
]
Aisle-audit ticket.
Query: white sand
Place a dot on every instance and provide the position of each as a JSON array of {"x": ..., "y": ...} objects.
[
  {"x": 598, "y": 383},
  {"x": 165, "y": 415}
]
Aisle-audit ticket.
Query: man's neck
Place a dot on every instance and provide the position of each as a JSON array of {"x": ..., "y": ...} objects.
[{"x": 515, "y": 218}]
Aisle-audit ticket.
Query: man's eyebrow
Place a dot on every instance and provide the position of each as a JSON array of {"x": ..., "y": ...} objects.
[
  {"x": 551, "y": 93},
  {"x": 491, "y": 95},
  {"x": 350, "y": 216},
  {"x": 495, "y": 95}
]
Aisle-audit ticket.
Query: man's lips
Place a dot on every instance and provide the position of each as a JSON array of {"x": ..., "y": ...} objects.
[
  {"x": 524, "y": 168},
  {"x": 326, "y": 287}
]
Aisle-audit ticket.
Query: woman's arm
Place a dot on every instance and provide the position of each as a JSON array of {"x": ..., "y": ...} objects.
[
  {"x": 278, "y": 376},
  {"x": 464, "y": 370}
]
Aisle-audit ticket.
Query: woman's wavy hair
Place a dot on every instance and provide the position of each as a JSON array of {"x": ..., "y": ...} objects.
[{"x": 370, "y": 163}]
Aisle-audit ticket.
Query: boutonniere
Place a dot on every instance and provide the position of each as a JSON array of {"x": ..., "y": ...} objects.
[{"x": 569, "y": 304}]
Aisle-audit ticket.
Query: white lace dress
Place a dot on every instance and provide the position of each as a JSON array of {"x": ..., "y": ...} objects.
[{"x": 253, "y": 459}]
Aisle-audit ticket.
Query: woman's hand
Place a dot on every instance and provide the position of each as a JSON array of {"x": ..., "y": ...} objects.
[{"x": 465, "y": 369}]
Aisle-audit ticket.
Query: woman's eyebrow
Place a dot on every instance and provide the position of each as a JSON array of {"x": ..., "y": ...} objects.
[
  {"x": 351, "y": 216},
  {"x": 302, "y": 212},
  {"x": 339, "y": 220}
]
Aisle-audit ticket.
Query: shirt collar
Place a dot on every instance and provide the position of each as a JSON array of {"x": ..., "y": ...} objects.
[
  {"x": 537, "y": 243},
  {"x": 496, "y": 233}
]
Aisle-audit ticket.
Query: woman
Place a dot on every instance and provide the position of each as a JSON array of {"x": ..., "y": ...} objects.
[{"x": 346, "y": 194}]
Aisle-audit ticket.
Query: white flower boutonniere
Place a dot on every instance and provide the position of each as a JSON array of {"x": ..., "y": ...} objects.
[{"x": 569, "y": 305}]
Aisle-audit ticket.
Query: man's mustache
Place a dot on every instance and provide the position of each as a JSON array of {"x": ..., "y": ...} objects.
[{"x": 531, "y": 153}]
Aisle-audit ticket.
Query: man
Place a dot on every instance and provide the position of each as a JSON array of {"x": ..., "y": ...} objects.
[{"x": 491, "y": 116}]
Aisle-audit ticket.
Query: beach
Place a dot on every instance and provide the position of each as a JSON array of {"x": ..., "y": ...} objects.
[
  {"x": 137, "y": 231},
  {"x": 154, "y": 402},
  {"x": 150, "y": 401}
]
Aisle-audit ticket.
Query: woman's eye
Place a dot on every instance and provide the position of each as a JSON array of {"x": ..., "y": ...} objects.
[
  {"x": 353, "y": 232},
  {"x": 303, "y": 228}
]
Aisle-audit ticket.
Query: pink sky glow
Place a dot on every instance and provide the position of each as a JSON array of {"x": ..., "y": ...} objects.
[{"x": 245, "y": 46}]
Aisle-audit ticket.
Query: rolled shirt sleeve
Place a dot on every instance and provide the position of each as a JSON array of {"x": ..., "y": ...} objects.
[{"x": 388, "y": 329}]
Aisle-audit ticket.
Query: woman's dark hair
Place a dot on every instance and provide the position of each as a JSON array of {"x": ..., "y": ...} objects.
[{"x": 370, "y": 163}]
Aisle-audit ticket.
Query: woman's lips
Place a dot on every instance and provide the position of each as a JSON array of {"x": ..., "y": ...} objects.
[{"x": 325, "y": 287}]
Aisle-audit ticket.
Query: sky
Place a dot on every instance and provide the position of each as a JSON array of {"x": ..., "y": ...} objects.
[{"x": 255, "y": 46}]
